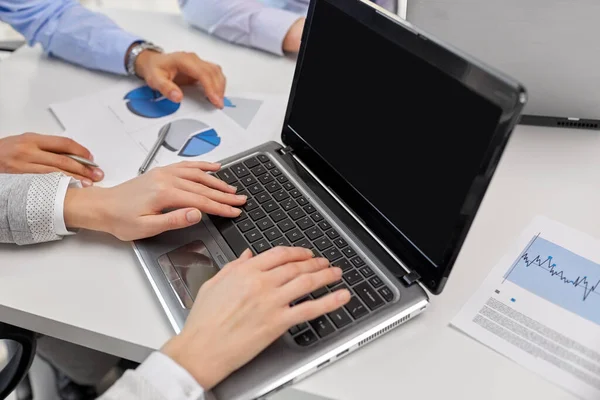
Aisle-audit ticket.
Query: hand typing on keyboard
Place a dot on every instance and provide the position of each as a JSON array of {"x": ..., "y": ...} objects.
[
  {"x": 134, "y": 209},
  {"x": 246, "y": 307}
]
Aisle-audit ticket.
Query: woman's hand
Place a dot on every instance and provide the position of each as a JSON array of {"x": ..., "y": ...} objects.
[
  {"x": 32, "y": 153},
  {"x": 134, "y": 209},
  {"x": 246, "y": 307}
]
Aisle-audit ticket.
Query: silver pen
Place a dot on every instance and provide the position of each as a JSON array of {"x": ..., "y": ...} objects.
[{"x": 162, "y": 134}]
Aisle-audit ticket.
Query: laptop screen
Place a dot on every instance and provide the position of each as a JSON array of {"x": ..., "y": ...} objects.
[{"x": 404, "y": 134}]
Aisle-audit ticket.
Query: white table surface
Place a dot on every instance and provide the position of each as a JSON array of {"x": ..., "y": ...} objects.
[{"x": 88, "y": 289}]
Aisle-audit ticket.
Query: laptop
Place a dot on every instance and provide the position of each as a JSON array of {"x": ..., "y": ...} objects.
[
  {"x": 551, "y": 46},
  {"x": 381, "y": 174}
]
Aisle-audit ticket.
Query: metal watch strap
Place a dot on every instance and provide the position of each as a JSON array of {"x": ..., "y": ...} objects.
[{"x": 135, "y": 52}]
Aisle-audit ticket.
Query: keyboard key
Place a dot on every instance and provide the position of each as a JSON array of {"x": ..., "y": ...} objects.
[
  {"x": 320, "y": 292},
  {"x": 269, "y": 165},
  {"x": 289, "y": 204},
  {"x": 241, "y": 217},
  {"x": 314, "y": 233},
  {"x": 323, "y": 243},
  {"x": 352, "y": 277},
  {"x": 278, "y": 215},
  {"x": 334, "y": 284},
  {"x": 324, "y": 225},
  {"x": 282, "y": 179},
  {"x": 263, "y": 158},
  {"x": 259, "y": 170},
  {"x": 263, "y": 197},
  {"x": 257, "y": 214},
  {"x": 332, "y": 254},
  {"x": 349, "y": 252},
  {"x": 305, "y": 223},
  {"x": 322, "y": 326},
  {"x": 273, "y": 187},
  {"x": 342, "y": 286},
  {"x": 303, "y": 243},
  {"x": 375, "y": 281},
  {"x": 340, "y": 318},
  {"x": 266, "y": 178},
  {"x": 250, "y": 205},
  {"x": 302, "y": 201},
  {"x": 254, "y": 189},
  {"x": 317, "y": 217},
  {"x": 366, "y": 272},
  {"x": 368, "y": 295},
  {"x": 295, "y": 193},
  {"x": 275, "y": 172},
  {"x": 357, "y": 261},
  {"x": 261, "y": 246},
  {"x": 343, "y": 264},
  {"x": 227, "y": 176},
  {"x": 265, "y": 224},
  {"x": 293, "y": 330},
  {"x": 248, "y": 180},
  {"x": 297, "y": 213},
  {"x": 356, "y": 308},
  {"x": 332, "y": 233},
  {"x": 282, "y": 241},
  {"x": 280, "y": 195},
  {"x": 272, "y": 234},
  {"x": 242, "y": 193},
  {"x": 239, "y": 170},
  {"x": 286, "y": 225},
  {"x": 386, "y": 293},
  {"x": 294, "y": 235},
  {"x": 306, "y": 338},
  {"x": 309, "y": 208},
  {"x": 253, "y": 235},
  {"x": 316, "y": 253},
  {"x": 270, "y": 206},
  {"x": 340, "y": 243},
  {"x": 245, "y": 226},
  {"x": 289, "y": 186},
  {"x": 251, "y": 162}
]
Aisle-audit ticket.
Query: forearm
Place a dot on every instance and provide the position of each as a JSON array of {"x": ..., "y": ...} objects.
[
  {"x": 158, "y": 378},
  {"x": 70, "y": 31},
  {"x": 247, "y": 22},
  {"x": 27, "y": 208}
]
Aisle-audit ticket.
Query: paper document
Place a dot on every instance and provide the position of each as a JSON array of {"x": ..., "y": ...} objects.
[
  {"x": 121, "y": 124},
  {"x": 540, "y": 306}
]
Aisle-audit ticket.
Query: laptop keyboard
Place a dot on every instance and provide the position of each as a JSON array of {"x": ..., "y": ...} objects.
[{"x": 278, "y": 214}]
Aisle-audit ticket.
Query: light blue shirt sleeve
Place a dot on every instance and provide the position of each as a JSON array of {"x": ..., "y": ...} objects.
[
  {"x": 68, "y": 30},
  {"x": 247, "y": 22}
]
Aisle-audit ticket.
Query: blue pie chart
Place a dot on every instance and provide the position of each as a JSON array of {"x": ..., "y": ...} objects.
[
  {"x": 191, "y": 138},
  {"x": 149, "y": 103}
]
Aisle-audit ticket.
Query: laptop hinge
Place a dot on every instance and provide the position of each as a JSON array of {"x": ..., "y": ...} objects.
[
  {"x": 410, "y": 278},
  {"x": 286, "y": 150}
]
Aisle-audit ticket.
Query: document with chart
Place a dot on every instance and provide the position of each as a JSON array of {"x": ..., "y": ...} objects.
[
  {"x": 121, "y": 124},
  {"x": 540, "y": 306}
]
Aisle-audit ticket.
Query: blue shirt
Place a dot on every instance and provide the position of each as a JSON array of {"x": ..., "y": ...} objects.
[
  {"x": 70, "y": 31},
  {"x": 256, "y": 23}
]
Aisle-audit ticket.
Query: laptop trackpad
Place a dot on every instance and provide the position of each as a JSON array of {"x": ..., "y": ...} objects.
[{"x": 192, "y": 264}]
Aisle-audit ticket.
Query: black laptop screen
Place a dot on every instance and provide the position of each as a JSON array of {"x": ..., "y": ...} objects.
[{"x": 403, "y": 133}]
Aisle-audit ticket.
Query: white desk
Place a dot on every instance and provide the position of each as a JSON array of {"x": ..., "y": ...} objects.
[{"x": 89, "y": 289}]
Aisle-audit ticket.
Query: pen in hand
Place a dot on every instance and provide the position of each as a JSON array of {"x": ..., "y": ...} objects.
[{"x": 82, "y": 160}]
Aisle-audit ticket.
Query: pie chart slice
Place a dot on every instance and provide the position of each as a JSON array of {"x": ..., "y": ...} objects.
[
  {"x": 200, "y": 144},
  {"x": 148, "y": 103}
]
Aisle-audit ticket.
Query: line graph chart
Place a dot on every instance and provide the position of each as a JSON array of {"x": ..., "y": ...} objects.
[{"x": 560, "y": 276}]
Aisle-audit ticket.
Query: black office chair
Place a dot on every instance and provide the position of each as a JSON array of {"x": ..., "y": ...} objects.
[{"x": 17, "y": 350}]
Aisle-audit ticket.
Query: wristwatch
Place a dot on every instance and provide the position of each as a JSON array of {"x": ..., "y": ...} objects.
[{"x": 135, "y": 52}]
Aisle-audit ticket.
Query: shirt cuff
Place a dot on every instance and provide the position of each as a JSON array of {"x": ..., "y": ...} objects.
[
  {"x": 65, "y": 182},
  {"x": 169, "y": 378},
  {"x": 120, "y": 46},
  {"x": 269, "y": 28}
]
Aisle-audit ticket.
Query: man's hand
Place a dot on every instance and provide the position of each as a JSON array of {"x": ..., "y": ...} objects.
[
  {"x": 31, "y": 153},
  {"x": 164, "y": 72},
  {"x": 291, "y": 42},
  {"x": 135, "y": 209},
  {"x": 246, "y": 306}
]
